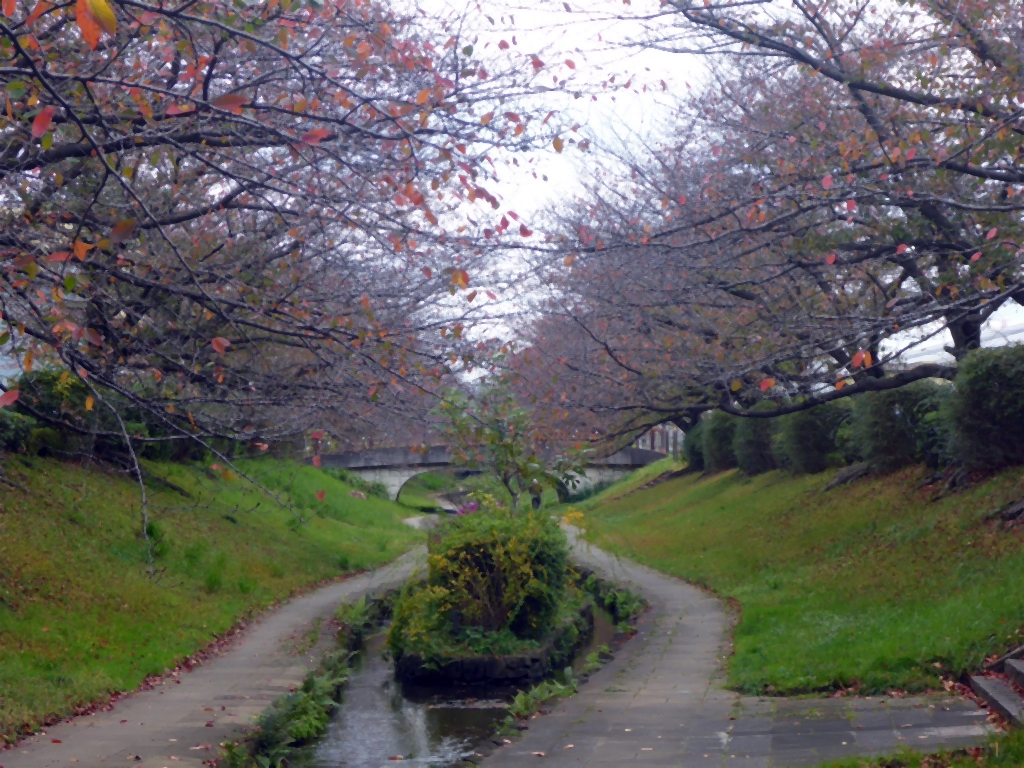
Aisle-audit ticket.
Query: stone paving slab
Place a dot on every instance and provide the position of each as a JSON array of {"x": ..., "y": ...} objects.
[
  {"x": 180, "y": 722},
  {"x": 659, "y": 703}
]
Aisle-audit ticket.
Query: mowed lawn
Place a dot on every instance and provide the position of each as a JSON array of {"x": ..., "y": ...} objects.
[
  {"x": 871, "y": 584},
  {"x": 80, "y": 615}
]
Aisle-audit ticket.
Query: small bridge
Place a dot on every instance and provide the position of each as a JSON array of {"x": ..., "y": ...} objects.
[{"x": 395, "y": 466}]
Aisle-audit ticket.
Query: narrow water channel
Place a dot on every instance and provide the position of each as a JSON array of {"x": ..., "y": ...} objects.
[{"x": 381, "y": 720}]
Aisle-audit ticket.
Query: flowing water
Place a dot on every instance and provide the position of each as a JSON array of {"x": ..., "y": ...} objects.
[{"x": 381, "y": 720}]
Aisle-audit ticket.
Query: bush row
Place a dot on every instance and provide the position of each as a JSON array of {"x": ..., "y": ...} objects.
[{"x": 977, "y": 421}]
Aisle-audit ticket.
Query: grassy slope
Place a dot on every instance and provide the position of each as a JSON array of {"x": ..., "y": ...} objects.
[
  {"x": 630, "y": 483},
  {"x": 870, "y": 583},
  {"x": 80, "y": 618}
]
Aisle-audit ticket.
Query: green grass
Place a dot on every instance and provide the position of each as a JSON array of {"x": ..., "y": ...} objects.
[
  {"x": 80, "y": 617},
  {"x": 630, "y": 483},
  {"x": 417, "y": 493},
  {"x": 870, "y": 584}
]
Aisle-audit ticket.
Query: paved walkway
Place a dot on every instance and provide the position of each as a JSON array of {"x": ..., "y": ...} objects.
[
  {"x": 659, "y": 703},
  {"x": 180, "y": 723}
]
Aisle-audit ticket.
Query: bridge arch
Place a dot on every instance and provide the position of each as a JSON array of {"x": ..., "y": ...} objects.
[{"x": 394, "y": 467}]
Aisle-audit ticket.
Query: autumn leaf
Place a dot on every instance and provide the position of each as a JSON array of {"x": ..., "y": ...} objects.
[
  {"x": 41, "y": 7},
  {"x": 232, "y": 102},
  {"x": 901, "y": 248},
  {"x": 570, "y": 64},
  {"x": 220, "y": 344},
  {"x": 91, "y": 31},
  {"x": 8, "y": 398},
  {"x": 82, "y": 249},
  {"x": 911, "y": 153},
  {"x": 122, "y": 231},
  {"x": 767, "y": 384},
  {"x": 830, "y": 259},
  {"x": 851, "y": 205},
  {"x": 315, "y": 136},
  {"x": 867, "y": 359},
  {"x": 524, "y": 231},
  {"x": 992, "y": 233},
  {"x": 89, "y": 402},
  {"x": 857, "y": 359},
  {"x": 491, "y": 296},
  {"x": 471, "y": 296},
  {"x": 558, "y": 144},
  {"x": 319, "y": 434},
  {"x": 41, "y": 124},
  {"x": 737, "y": 385},
  {"x": 423, "y": 96},
  {"x": 486, "y": 118},
  {"x": 321, "y": 495},
  {"x": 428, "y": 272},
  {"x": 103, "y": 15},
  {"x": 682, "y": 199},
  {"x": 9, "y": 7},
  {"x": 60, "y": 256},
  {"x": 976, "y": 256},
  {"x": 93, "y": 337},
  {"x": 826, "y": 181}
]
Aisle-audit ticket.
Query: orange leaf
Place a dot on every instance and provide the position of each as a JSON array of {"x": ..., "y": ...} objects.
[
  {"x": 60, "y": 256},
  {"x": 321, "y": 495},
  {"x": 901, "y": 248},
  {"x": 41, "y": 7},
  {"x": 318, "y": 435},
  {"x": 558, "y": 144},
  {"x": 8, "y": 398},
  {"x": 122, "y": 231},
  {"x": 220, "y": 344},
  {"x": 840, "y": 384},
  {"x": 471, "y": 296},
  {"x": 94, "y": 337},
  {"x": 486, "y": 118},
  {"x": 232, "y": 102},
  {"x": 830, "y": 259},
  {"x": 8, "y": 7},
  {"x": 91, "y": 31},
  {"x": 82, "y": 249},
  {"x": 826, "y": 181},
  {"x": 767, "y": 384},
  {"x": 423, "y": 96},
  {"x": 315, "y": 136},
  {"x": 976, "y": 256},
  {"x": 857, "y": 359},
  {"x": 867, "y": 359},
  {"x": 42, "y": 122},
  {"x": 428, "y": 272}
]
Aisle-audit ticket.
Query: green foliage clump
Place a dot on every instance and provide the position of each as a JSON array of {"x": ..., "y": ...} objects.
[
  {"x": 752, "y": 443},
  {"x": 717, "y": 444},
  {"x": 986, "y": 409},
  {"x": 693, "y": 447},
  {"x": 15, "y": 430},
  {"x": 495, "y": 578},
  {"x": 623, "y": 604},
  {"x": 901, "y": 426},
  {"x": 806, "y": 440},
  {"x": 526, "y": 703}
]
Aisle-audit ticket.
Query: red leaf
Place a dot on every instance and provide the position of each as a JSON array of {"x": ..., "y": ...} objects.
[
  {"x": 122, "y": 231},
  {"x": 570, "y": 64},
  {"x": 992, "y": 233},
  {"x": 524, "y": 231},
  {"x": 857, "y": 359},
  {"x": 8, "y": 7},
  {"x": 682, "y": 199},
  {"x": 8, "y": 398},
  {"x": 503, "y": 45},
  {"x": 232, "y": 102},
  {"x": 318, "y": 435},
  {"x": 60, "y": 256},
  {"x": 826, "y": 181},
  {"x": 55, "y": 741},
  {"x": 851, "y": 205},
  {"x": 911, "y": 153},
  {"x": 321, "y": 495},
  {"x": 180, "y": 109},
  {"x": 220, "y": 344},
  {"x": 514, "y": 215},
  {"x": 42, "y": 122},
  {"x": 315, "y": 136},
  {"x": 976, "y": 256},
  {"x": 901, "y": 248},
  {"x": 91, "y": 31},
  {"x": 94, "y": 337},
  {"x": 317, "y": 461},
  {"x": 216, "y": 467},
  {"x": 830, "y": 259},
  {"x": 491, "y": 296},
  {"x": 767, "y": 384},
  {"x": 428, "y": 272}
]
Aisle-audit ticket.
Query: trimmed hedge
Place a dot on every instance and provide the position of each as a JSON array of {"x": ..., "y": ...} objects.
[
  {"x": 752, "y": 443},
  {"x": 806, "y": 440},
  {"x": 693, "y": 447},
  {"x": 986, "y": 408},
  {"x": 15, "y": 430},
  {"x": 717, "y": 443},
  {"x": 902, "y": 426}
]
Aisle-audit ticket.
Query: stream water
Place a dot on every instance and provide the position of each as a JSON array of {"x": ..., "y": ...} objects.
[{"x": 381, "y": 720}]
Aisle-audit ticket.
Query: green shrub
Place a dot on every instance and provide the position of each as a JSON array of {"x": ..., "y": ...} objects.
[
  {"x": 493, "y": 577},
  {"x": 986, "y": 409},
  {"x": 717, "y": 444},
  {"x": 15, "y": 430},
  {"x": 806, "y": 440},
  {"x": 693, "y": 447},
  {"x": 901, "y": 426},
  {"x": 752, "y": 443}
]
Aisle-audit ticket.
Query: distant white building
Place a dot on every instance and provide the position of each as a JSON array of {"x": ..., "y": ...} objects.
[{"x": 664, "y": 438}]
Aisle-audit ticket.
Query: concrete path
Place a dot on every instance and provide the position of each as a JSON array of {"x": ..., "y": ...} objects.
[
  {"x": 659, "y": 703},
  {"x": 180, "y": 723}
]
